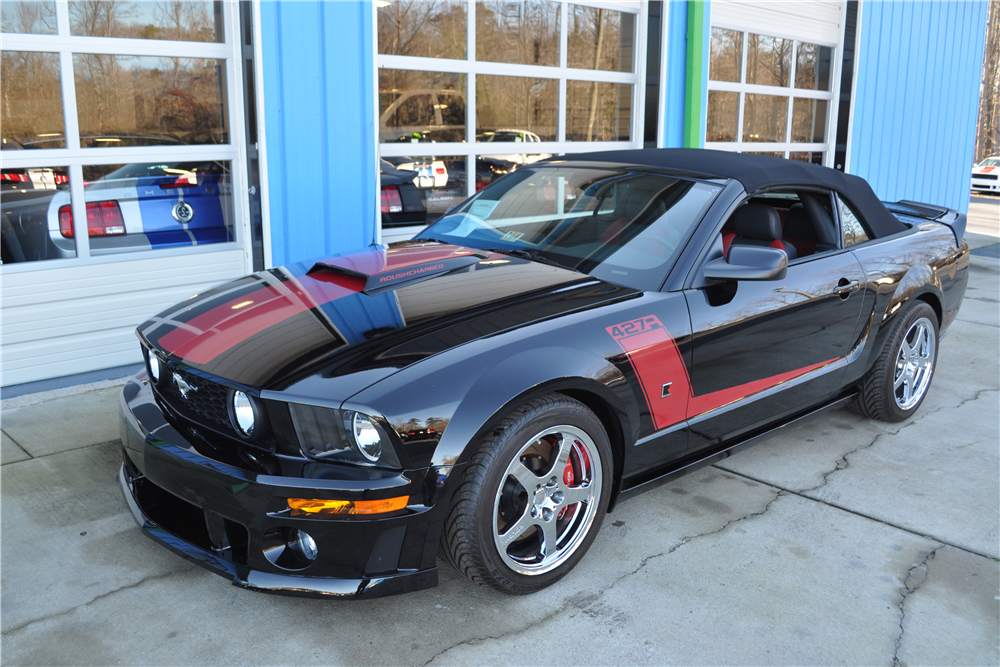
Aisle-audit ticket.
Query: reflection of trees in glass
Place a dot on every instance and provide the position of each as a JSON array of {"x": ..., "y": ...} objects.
[
  {"x": 124, "y": 96},
  {"x": 808, "y": 120},
  {"x": 517, "y": 102},
  {"x": 183, "y": 20},
  {"x": 37, "y": 18},
  {"x": 427, "y": 28},
  {"x": 769, "y": 60},
  {"x": 425, "y": 102},
  {"x": 812, "y": 66},
  {"x": 598, "y": 111},
  {"x": 764, "y": 117},
  {"x": 600, "y": 39},
  {"x": 518, "y": 32},
  {"x": 722, "y": 116},
  {"x": 726, "y": 53},
  {"x": 31, "y": 111}
]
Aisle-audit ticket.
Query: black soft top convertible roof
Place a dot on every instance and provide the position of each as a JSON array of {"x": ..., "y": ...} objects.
[{"x": 756, "y": 172}]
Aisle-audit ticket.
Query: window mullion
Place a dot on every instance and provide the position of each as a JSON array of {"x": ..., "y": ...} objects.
[
  {"x": 62, "y": 18},
  {"x": 563, "y": 59},
  {"x": 470, "y": 98},
  {"x": 791, "y": 96}
]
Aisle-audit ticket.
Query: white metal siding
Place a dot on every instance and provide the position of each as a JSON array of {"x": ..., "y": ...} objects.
[
  {"x": 83, "y": 318},
  {"x": 817, "y": 21}
]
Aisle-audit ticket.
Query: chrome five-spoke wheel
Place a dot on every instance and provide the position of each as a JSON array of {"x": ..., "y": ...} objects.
[
  {"x": 914, "y": 364},
  {"x": 532, "y": 498},
  {"x": 896, "y": 384},
  {"x": 547, "y": 500}
]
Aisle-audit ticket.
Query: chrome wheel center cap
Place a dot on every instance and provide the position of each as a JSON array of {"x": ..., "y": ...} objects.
[{"x": 547, "y": 501}]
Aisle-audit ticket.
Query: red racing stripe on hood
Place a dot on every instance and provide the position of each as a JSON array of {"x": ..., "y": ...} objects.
[{"x": 210, "y": 334}]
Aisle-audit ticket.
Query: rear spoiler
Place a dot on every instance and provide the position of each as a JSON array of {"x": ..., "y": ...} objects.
[{"x": 946, "y": 216}]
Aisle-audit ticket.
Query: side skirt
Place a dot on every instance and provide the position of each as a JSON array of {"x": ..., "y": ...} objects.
[{"x": 635, "y": 486}]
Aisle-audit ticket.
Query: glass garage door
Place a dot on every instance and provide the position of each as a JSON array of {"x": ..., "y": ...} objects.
[
  {"x": 470, "y": 91},
  {"x": 119, "y": 174}
]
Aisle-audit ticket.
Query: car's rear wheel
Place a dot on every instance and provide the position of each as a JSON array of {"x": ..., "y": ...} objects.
[
  {"x": 533, "y": 497},
  {"x": 898, "y": 382}
]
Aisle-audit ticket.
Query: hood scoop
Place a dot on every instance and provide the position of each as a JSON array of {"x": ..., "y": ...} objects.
[{"x": 385, "y": 268}]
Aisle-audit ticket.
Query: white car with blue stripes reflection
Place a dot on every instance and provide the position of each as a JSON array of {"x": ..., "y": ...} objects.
[{"x": 148, "y": 206}]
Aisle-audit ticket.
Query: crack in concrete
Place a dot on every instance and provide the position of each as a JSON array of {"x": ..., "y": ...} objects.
[
  {"x": 152, "y": 577},
  {"x": 908, "y": 590},
  {"x": 583, "y": 601},
  {"x": 843, "y": 463},
  {"x": 835, "y": 506}
]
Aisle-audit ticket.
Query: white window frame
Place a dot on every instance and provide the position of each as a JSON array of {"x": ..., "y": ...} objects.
[
  {"x": 471, "y": 67},
  {"x": 791, "y": 92},
  {"x": 75, "y": 158}
]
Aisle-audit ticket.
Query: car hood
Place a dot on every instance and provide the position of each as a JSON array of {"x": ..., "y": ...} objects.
[
  {"x": 985, "y": 170},
  {"x": 328, "y": 329}
]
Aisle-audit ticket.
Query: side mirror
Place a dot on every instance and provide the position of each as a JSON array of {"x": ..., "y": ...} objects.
[{"x": 749, "y": 262}]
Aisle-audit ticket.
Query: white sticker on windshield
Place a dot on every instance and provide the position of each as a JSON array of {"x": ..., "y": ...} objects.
[{"x": 481, "y": 208}]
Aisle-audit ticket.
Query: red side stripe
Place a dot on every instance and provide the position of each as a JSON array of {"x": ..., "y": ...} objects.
[
  {"x": 212, "y": 333},
  {"x": 657, "y": 361},
  {"x": 706, "y": 402}
]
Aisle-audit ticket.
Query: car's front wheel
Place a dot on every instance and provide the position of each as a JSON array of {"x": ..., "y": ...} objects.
[
  {"x": 533, "y": 497},
  {"x": 898, "y": 381}
]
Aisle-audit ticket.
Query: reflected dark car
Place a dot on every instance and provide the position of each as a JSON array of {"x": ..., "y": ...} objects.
[
  {"x": 579, "y": 331},
  {"x": 405, "y": 202}
]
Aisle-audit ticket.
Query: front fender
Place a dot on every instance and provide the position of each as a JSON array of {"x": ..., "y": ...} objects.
[{"x": 532, "y": 373}]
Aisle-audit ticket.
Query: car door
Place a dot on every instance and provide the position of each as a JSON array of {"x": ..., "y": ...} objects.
[{"x": 764, "y": 350}]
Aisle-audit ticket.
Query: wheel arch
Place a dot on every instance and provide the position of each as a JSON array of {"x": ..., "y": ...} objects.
[{"x": 574, "y": 373}]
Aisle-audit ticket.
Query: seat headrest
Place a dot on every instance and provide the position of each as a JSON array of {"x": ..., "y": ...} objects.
[
  {"x": 798, "y": 225},
  {"x": 757, "y": 221}
]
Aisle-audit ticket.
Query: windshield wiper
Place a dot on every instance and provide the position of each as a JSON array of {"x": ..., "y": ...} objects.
[{"x": 533, "y": 255}]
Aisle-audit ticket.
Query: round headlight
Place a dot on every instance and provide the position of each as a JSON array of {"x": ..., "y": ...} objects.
[
  {"x": 367, "y": 436},
  {"x": 243, "y": 413},
  {"x": 154, "y": 366}
]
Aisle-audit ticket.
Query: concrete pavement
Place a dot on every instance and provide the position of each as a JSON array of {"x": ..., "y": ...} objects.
[{"x": 838, "y": 541}]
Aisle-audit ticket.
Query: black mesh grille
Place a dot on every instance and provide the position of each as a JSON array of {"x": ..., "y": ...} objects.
[{"x": 206, "y": 404}]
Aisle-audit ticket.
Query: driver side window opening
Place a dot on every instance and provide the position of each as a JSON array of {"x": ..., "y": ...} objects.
[{"x": 800, "y": 222}]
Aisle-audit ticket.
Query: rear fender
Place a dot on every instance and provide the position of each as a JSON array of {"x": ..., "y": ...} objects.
[{"x": 916, "y": 282}]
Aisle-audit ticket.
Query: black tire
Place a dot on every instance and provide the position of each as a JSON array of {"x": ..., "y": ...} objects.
[
  {"x": 469, "y": 539},
  {"x": 878, "y": 396}
]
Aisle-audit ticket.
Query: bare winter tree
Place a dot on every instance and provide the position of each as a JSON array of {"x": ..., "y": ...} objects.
[{"x": 988, "y": 135}]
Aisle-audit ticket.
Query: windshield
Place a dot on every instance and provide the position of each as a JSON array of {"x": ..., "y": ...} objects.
[
  {"x": 990, "y": 162},
  {"x": 623, "y": 227}
]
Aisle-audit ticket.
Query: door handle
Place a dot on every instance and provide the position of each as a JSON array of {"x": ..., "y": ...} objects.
[{"x": 844, "y": 288}]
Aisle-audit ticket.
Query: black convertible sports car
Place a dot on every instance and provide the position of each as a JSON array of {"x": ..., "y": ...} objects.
[{"x": 578, "y": 331}]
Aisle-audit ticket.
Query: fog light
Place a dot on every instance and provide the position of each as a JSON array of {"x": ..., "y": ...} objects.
[
  {"x": 306, "y": 545},
  {"x": 154, "y": 367},
  {"x": 307, "y": 506},
  {"x": 289, "y": 548}
]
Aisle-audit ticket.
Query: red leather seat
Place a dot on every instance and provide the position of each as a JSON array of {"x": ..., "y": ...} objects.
[{"x": 757, "y": 224}]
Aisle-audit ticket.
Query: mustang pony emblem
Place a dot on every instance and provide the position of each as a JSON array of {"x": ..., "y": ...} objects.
[{"x": 183, "y": 386}]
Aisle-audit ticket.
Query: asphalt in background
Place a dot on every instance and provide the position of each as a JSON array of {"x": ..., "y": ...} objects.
[{"x": 838, "y": 541}]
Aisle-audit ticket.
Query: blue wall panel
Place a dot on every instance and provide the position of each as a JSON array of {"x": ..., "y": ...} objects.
[
  {"x": 917, "y": 99},
  {"x": 675, "y": 76},
  {"x": 320, "y": 123}
]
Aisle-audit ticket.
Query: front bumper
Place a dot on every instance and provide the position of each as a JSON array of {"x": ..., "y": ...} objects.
[
  {"x": 985, "y": 185},
  {"x": 209, "y": 509}
]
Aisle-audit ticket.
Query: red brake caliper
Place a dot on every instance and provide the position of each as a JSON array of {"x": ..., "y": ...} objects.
[{"x": 569, "y": 477}]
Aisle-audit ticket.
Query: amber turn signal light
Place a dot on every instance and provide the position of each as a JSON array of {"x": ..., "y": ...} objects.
[{"x": 302, "y": 506}]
